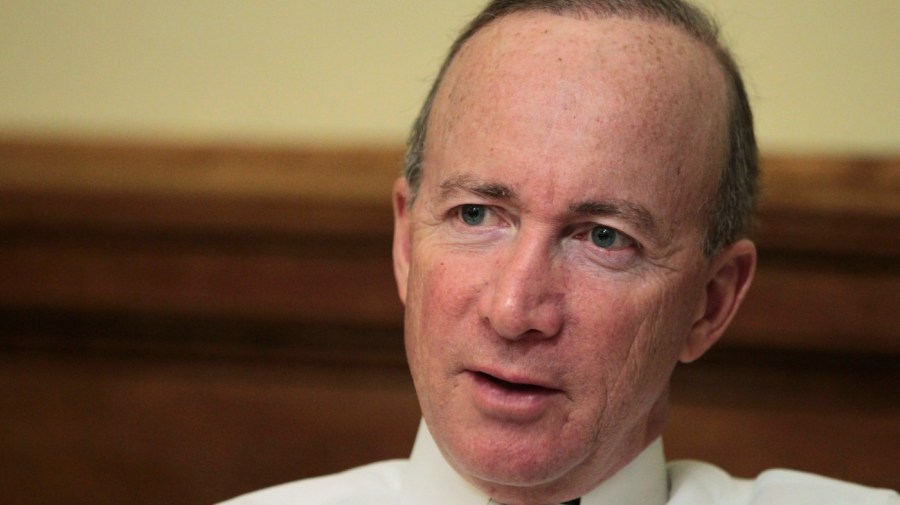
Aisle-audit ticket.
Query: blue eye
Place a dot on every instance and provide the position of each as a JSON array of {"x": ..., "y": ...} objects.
[
  {"x": 472, "y": 215},
  {"x": 605, "y": 237}
]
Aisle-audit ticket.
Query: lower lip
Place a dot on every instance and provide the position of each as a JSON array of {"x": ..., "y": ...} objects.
[{"x": 510, "y": 403}]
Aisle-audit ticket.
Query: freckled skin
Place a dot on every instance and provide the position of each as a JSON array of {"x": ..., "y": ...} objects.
[{"x": 562, "y": 111}]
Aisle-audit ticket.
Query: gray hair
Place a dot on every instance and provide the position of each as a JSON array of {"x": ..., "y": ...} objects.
[{"x": 730, "y": 212}]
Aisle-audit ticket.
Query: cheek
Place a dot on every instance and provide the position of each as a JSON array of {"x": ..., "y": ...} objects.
[
  {"x": 667, "y": 323},
  {"x": 442, "y": 295},
  {"x": 663, "y": 332},
  {"x": 446, "y": 288},
  {"x": 608, "y": 317},
  {"x": 634, "y": 332}
]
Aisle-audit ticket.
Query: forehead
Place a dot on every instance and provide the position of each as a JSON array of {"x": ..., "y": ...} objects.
[
  {"x": 643, "y": 62},
  {"x": 538, "y": 95}
]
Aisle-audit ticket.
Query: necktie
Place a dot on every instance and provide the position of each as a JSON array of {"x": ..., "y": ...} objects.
[{"x": 576, "y": 501}]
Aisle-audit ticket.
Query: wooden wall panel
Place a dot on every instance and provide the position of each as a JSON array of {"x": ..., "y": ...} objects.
[
  {"x": 182, "y": 323},
  {"x": 108, "y": 429},
  {"x": 826, "y": 413}
]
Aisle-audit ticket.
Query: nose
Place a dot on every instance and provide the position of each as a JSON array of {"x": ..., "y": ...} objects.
[{"x": 523, "y": 298}]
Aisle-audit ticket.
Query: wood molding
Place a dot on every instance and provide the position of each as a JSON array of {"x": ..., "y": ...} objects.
[
  {"x": 303, "y": 235},
  {"x": 831, "y": 206}
]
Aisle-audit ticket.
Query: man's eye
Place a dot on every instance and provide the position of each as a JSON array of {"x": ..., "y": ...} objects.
[
  {"x": 472, "y": 215},
  {"x": 605, "y": 237}
]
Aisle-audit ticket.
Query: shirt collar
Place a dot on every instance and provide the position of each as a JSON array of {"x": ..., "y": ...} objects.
[{"x": 432, "y": 480}]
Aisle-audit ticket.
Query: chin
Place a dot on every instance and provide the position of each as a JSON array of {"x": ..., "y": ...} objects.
[
  {"x": 521, "y": 464},
  {"x": 520, "y": 482}
]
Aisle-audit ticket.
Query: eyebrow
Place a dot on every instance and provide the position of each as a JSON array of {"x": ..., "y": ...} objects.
[
  {"x": 468, "y": 184},
  {"x": 629, "y": 211}
]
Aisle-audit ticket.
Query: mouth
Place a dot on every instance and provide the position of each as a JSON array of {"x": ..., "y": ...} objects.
[
  {"x": 518, "y": 400},
  {"x": 513, "y": 387}
]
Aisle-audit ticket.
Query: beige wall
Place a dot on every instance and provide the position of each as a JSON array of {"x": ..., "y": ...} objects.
[{"x": 824, "y": 75}]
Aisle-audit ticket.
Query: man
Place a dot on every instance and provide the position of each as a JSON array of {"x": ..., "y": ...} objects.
[{"x": 569, "y": 227}]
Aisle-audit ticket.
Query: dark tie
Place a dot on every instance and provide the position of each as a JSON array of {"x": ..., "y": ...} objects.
[{"x": 576, "y": 501}]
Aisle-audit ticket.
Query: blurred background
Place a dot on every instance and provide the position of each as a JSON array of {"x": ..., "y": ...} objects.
[{"x": 196, "y": 297}]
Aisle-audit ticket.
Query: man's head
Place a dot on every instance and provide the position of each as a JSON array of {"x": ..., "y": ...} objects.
[{"x": 552, "y": 242}]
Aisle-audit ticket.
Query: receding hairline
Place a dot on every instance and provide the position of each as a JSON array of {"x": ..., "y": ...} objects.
[
  {"x": 707, "y": 57},
  {"x": 692, "y": 21},
  {"x": 730, "y": 209}
]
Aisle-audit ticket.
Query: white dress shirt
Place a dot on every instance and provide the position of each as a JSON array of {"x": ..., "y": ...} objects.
[{"x": 427, "y": 479}]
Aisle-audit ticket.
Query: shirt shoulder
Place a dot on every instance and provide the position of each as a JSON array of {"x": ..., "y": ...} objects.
[
  {"x": 693, "y": 482},
  {"x": 799, "y": 488},
  {"x": 375, "y": 484}
]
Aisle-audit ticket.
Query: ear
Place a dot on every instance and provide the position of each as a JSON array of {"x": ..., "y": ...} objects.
[
  {"x": 729, "y": 277},
  {"x": 401, "y": 247}
]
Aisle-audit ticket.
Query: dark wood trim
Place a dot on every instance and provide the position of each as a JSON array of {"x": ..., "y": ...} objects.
[
  {"x": 303, "y": 235},
  {"x": 831, "y": 206}
]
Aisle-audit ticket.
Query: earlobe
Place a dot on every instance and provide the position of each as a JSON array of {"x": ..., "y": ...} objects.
[
  {"x": 401, "y": 247},
  {"x": 730, "y": 275}
]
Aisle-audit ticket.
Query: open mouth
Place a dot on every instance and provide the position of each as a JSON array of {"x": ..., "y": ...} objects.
[
  {"x": 517, "y": 402},
  {"x": 514, "y": 387}
]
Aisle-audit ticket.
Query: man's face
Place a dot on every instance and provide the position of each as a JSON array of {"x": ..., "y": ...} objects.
[{"x": 551, "y": 264}]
